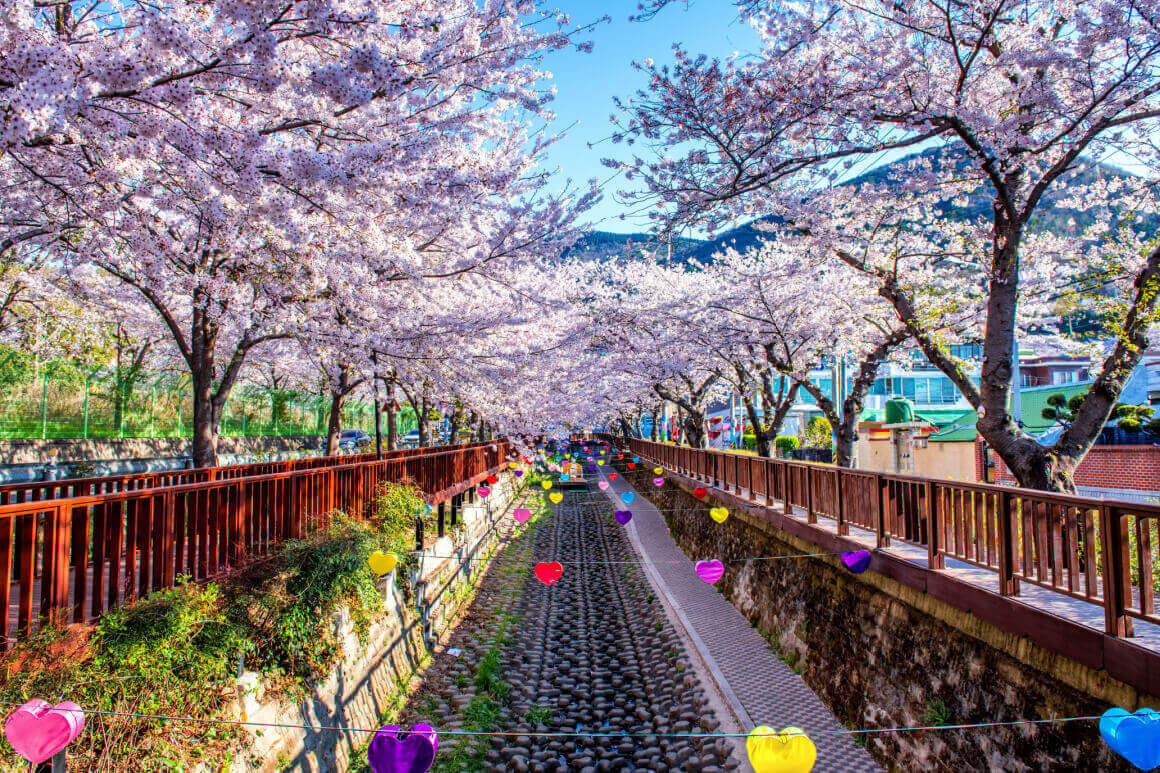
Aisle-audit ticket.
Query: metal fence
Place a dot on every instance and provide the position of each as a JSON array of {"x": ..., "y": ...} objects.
[{"x": 60, "y": 401}]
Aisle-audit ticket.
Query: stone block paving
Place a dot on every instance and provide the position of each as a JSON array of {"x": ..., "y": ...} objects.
[{"x": 769, "y": 692}]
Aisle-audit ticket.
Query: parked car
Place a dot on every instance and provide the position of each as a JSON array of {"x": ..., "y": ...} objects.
[{"x": 350, "y": 439}]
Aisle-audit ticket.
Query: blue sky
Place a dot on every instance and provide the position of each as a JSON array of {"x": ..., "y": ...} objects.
[{"x": 587, "y": 83}]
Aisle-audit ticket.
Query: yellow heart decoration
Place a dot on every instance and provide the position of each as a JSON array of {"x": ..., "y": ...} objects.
[
  {"x": 790, "y": 751},
  {"x": 547, "y": 484},
  {"x": 719, "y": 514},
  {"x": 658, "y": 470},
  {"x": 600, "y": 462},
  {"x": 556, "y": 496},
  {"x": 382, "y": 563}
]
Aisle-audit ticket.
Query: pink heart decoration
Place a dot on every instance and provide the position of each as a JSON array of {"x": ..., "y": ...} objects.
[
  {"x": 522, "y": 514},
  {"x": 658, "y": 482},
  {"x": 37, "y": 730},
  {"x": 602, "y": 485},
  {"x": 484, "y": 491},
  {"x": 710, "y": 571}
]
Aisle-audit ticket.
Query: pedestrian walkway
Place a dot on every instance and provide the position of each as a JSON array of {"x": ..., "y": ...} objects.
[{"x": 761, "y": 689}]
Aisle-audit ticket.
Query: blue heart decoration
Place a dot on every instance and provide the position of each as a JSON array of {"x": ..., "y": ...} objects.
[
  {"x": 636, "y": 460},
  {"x": 564, "y": 478},
  {"x": 627, "y": 497},
  {"x": 1135, "y": 737}
]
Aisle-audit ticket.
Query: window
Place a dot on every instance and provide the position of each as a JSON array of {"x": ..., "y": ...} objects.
[{"x": 1063, "y": 376}]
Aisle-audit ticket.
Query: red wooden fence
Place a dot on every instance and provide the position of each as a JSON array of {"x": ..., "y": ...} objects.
[
  {"x": 33, "y": 491},
  {"x": 1101, "y": 551},
  {"x": 75, "y": 557}
]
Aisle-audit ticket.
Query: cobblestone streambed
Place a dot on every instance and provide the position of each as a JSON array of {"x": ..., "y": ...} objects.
[{"x": 585, "y": 675}]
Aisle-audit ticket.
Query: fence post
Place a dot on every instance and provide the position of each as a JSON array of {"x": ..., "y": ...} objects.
[
  {"x": 811, "y": 516},
  {"x": 44, "y": 405},
  {"x": 934, "y": 529},
  {"x": 1117, "y": 577},
  {"x": 882, "y": 532},
  {"x": 843, "y": 527},
  {"x": 1008, "y": 584}
]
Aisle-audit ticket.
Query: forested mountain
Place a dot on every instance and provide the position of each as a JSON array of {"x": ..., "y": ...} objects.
[{"x": 604, "y": 244}]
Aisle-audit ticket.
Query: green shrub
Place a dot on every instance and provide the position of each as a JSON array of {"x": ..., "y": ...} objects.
[
  {"x": 393, "y": 512},
  {"x": 786, "y": 444},
  {"x": 175, "y": 653},
  {"x": 287, "y": 604},
  {"x": 750, "y": 440},
  {"x": 817, "y": 433}
]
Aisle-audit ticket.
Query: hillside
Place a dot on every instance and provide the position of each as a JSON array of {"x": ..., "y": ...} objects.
[{"x": 603, "y": 245}]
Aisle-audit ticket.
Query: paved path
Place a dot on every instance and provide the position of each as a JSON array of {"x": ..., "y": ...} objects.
[{"x": 761, "y": 688}]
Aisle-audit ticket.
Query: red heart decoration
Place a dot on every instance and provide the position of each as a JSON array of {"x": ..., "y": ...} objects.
[
  {"x": 549, "y": 573},
  {"x": 612, "y": 476},
  {"x": 700, "y": 493},
  {"x": 620, "y": 456},
  {"x": 632, "y": 465},
  {"x": 492, "y": 479}
]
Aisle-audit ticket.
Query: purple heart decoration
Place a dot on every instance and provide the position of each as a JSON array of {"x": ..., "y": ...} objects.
[
  {"x": 858, "y": 561},
  {"x": 710, "y": 571},
  {"x": 412, "y": 753},
  {"x": 622, "y": 516},
  {"x": 591, "y": 468},
  {"x": 518, "y": 473}
]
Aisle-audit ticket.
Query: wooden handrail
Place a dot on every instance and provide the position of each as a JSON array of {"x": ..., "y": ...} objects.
[
  {"x": 1097, "y": 550},
  {"x": 87, "y": 554}
]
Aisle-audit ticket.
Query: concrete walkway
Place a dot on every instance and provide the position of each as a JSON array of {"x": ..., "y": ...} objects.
[{"x": 757, "y": 685}]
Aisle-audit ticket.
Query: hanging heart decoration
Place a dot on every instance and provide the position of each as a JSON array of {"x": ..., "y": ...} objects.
[
  {"x": 522, "y": 514},
  {"x": 719, "y": 514},
  {"x": 658, "y": 470},
  {"x": 483, "y": 491},
  {"x": 635, "y": 459},
  {"x": 627, "y": 497},
  {"x": 632, "y": 465},
  {"x": 546, "y": 484},
  {"x": 622, "y": 516},
  {"x": 620, "y": 456},
  {"x": 382, "y": 563},
  {"x": 710, "y": 571},
  {"x": 612, "y": 476},
  {"x": 700, "y": 493},
  {"x": 518, "y": 473},
  {"x": 38, "y": 730},
  {"x": 394, "y": 750},
  {"x": 556, "y": 497},
  {"x": 564, "y": 478},
  {"x": 658, "y": 482},
  {"x": 549, "y": 573},
  {"x": 1135, "y": 737},
  {"x": 857, "y": 561},
  {"x": 602, "y": 485},
  {"x": 600, "y": 462},
  {"x": 591, "y": 468},
  {"x": 492, "y": 479}
]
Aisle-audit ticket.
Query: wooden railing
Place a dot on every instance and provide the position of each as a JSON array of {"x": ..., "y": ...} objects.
[
  {"x": 34, "y": 491},
  {"x": 1101, "y": 551},
  {"x": 73, "y": 558}
]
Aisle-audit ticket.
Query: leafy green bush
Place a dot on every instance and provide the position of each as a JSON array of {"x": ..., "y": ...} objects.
[
  {"x": 750, "y": 440},
  {"x": 786, "y": 444},
  {"x": 175, "y": 653},
  {"x": 817, "y": 433},
  {"x": 287, "y": 604},
  {"x": 393, "y": 512}
]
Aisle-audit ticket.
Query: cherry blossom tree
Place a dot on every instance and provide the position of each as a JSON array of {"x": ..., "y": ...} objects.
[
  {"x": 1018, "y": 101},
  {"x": 235, "y": 163}
]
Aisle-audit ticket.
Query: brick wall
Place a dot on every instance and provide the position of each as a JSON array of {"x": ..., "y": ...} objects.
[{"x": 1123, "y": 467}]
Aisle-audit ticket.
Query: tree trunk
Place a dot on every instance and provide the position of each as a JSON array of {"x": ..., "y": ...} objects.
[
  {"x": 334, "y": 425},
  {"x": 201, "y": 368},
  {"x": 421, "y": 420},
  {"x": 654, "y": 429}
]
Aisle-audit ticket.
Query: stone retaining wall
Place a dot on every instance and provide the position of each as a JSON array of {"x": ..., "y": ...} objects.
[
  {"x": 883, "y": 655},
  {"x": 373, "y": 677}
]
